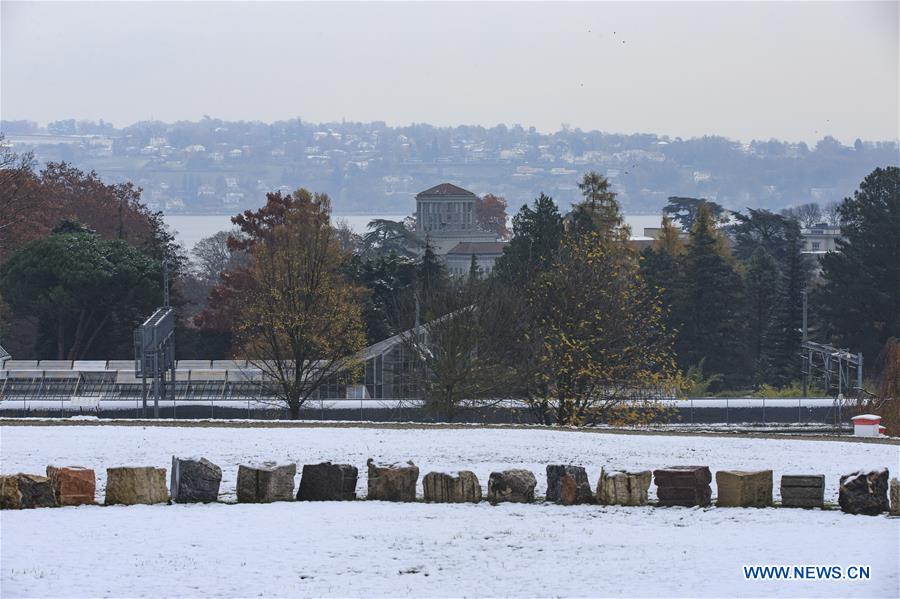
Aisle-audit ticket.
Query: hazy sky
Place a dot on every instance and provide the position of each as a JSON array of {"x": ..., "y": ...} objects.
[{"x": 794, "y": 71}]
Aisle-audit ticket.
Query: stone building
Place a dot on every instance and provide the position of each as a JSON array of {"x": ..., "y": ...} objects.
[{"x": 445, "y": 218}]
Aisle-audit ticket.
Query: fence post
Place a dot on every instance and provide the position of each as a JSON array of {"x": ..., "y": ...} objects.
[
  {"x": 764, "y": 410},
  {"x": 727, "y": 413}
]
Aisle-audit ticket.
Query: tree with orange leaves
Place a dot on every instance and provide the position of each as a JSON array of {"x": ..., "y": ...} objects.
[{"x": 490, "y": 215}]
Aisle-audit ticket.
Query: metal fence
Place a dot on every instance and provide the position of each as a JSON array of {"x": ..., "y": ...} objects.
[{"x": 205, "y": 393}]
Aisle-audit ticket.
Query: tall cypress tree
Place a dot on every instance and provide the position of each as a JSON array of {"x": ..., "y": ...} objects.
[
  {"x": 785, "y": 335},
  {"x": 761, "y": 282},
  {"x": 710, "y": 305},
  {"x": 431, "y": 282}
]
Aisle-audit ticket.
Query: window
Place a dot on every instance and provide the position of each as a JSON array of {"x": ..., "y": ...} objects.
[{"x": 816, "y": 246}]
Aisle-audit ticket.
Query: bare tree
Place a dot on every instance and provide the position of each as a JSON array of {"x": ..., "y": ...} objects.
[
  {"x": 461, "y": 359},
  {"x": 833, "y": 213},
  {"x": 212, "y": 255},
  {"x": 807, "y": 215},
  {"x": 349, "y": 240}
]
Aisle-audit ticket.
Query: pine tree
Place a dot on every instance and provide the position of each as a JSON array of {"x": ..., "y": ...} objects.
[
  {"x": 599, "y": 211},
  {"x": 860, "y": 300},
  {"x": 710, "y": 305},
  {"x": 785, "y": 334},
  {"x": 474, "y": 269},
  {"x": 762, "y": 285},
  {"x": 661, "y": 267},
  {"x": 432, "y": 281},
  {"x": 537, "y": 234}
]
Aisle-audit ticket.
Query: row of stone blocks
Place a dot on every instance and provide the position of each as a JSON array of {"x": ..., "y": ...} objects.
[{"x": 198, "y": 480}]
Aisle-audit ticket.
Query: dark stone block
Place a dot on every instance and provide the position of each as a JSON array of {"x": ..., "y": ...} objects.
[
  {"x": 864, "y": 492},
  {"x": 803, "y": 480},
  {"x": 682, "y": 476},
  {"x": 194, "y": 481},
  {"x": 802, "y": 502},
  {"x": 25, "y": 491},
  {"x": 581, "y": 486},
  {"x": 515, "y": 486},
  {"x": 328, "y": 482},
  {"x": 803, "y": 493}
]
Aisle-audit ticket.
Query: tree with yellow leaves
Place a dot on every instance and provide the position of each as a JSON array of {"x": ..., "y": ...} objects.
[
  {"x": 300, "y": 320},
  {"x": 603, "y": 351}
]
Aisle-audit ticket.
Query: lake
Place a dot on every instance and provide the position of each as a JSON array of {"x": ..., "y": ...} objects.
[{"x": 189, "y": 229}]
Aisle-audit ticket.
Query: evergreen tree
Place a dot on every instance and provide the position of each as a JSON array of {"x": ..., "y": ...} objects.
[
  {"x": 710, "y": 305},
  {"x": 474, "y": 269},
  {"x": 785, "y": 332},
  {"x": 860, "y": 299},
  {"x": 599, "y": 211},
  {"x": 761, "y": 283},
  {"x": 431, "y": 282},
  {"x": 537, "y": 234},
  {"x": 684, "y": 210},
  {"x": 661, "y": 267}
]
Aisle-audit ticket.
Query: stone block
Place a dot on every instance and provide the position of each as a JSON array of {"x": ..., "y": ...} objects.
[
  {"x": 394, "y": 482},
  {"x": 73, "y": 485},
  {"x": 684, "y": 496},
  {"x": 803, "y": 480},
  {"x": 266, "y": 483},
  {"x": 328, "y": 482},
  {"x": 623, "y": 488},
  {"x": 578, "y": 489},
  {"x": 686, "y": 486},
  {"x": 803, "y": 490},
  {"x": 682, "y": 476},
  {"x": 515, "y": 486},
  {"x": 802, "y": 502},
  {"x": 132, "y": 486},
  {"x": 194, "y": 481},
  {"x": 864, "y": 492},
  {"x": 463, "y": 487},
  {"x": 26, "y": 491},
  {"x": 737, "y": 488},
  {"x": 803, "y": 493},
  {"x": 895, "y": 497}
]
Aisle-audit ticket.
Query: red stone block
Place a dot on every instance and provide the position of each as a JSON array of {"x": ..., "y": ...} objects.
[{"x": 73, "y": 485}]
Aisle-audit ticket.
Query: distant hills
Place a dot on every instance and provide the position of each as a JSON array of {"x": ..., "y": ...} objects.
[{"x": 218, "y": 167}]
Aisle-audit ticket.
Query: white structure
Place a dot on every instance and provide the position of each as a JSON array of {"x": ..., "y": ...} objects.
[
  {"x": 459, "y": 259},
  {"x": 445, "y": 217},
  {"x": 820, "y": 238},
  {"x": 867, "y": 425}
]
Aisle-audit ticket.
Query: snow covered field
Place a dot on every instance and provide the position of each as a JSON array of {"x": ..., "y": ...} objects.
[{"x": 375, "y": 548}]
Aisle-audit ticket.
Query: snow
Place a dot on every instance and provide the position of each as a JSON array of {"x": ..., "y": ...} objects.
[{"x": 383, "y": 549}]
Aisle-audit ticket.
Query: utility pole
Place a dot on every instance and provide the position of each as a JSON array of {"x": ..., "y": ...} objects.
[
  {"x": 804, "y": 372},
  {"x": 166, "y": 283}
]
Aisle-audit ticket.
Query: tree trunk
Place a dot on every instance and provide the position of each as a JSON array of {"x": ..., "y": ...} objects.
[
  {"x": 61, "y": 340},
  {"x": 294, "y": 407}
]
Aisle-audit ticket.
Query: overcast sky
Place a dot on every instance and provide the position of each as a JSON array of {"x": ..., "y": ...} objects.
[{"x": 795, "y": 71}]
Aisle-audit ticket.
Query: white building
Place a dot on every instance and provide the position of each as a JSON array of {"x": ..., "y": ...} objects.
[
  {"x": 445, "y": 218},
  {"x": 820, "y": 238}
]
